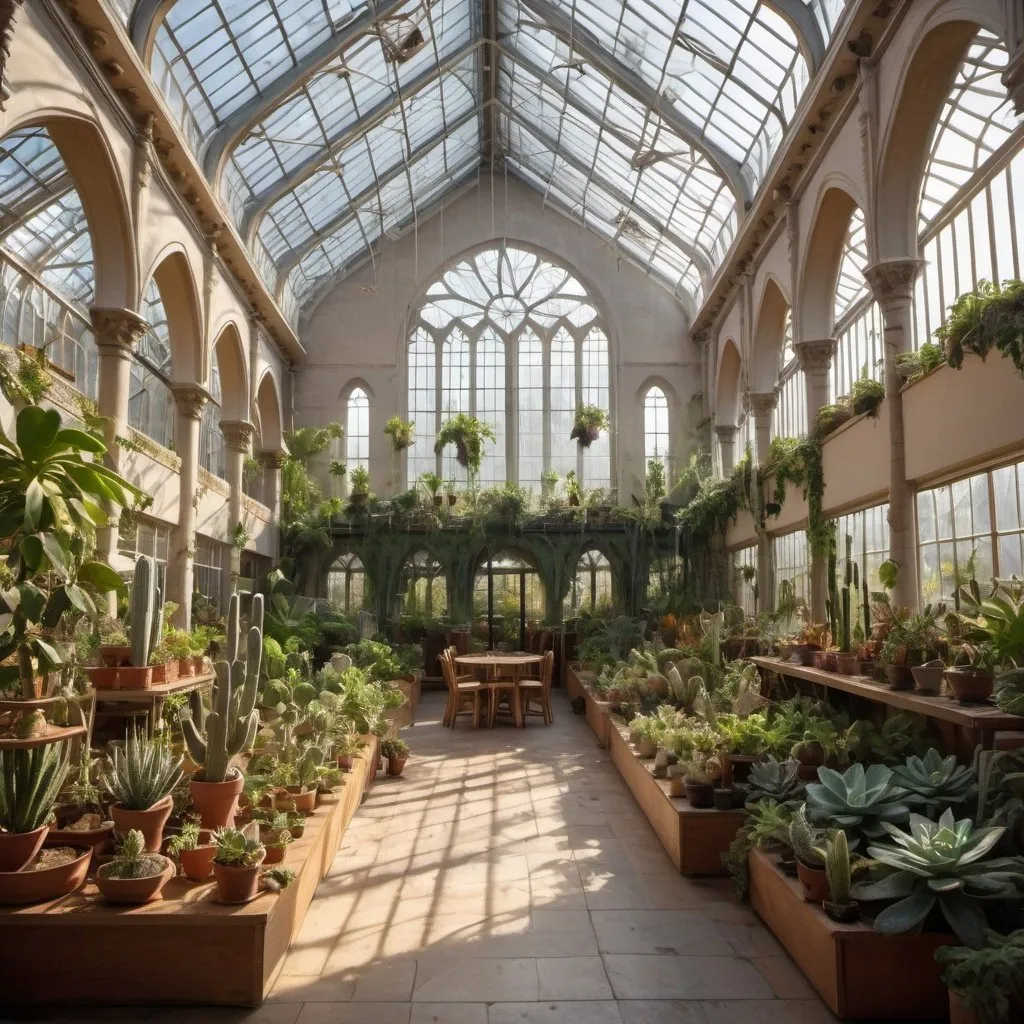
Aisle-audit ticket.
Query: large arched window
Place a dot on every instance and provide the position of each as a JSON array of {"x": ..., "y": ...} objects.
[
  {"x": 515, "y": 340},
  {"x": 357, "y": 430},
  {"x": 211, "y": 438},
  {"x": 150, "y": 402},
  {"x": 656, "y": 432}
]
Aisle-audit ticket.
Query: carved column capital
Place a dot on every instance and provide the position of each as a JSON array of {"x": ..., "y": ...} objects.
[
  {"x": 726, "y": 432},
  {"x": 815, "y": 356},
  {"x": 273, "y": 460},
  {"x": 190, "y": 399},
  {"x": 117, "y": 328},
  {"x": 8, "y": 8},
  {"x": 892, "y": 280},
  {"x": 762, "y": 403},
  {"x": 238, "y": 435}
]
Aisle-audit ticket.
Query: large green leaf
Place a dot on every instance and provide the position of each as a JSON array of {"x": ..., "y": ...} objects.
[
  {"x": 34, "y": 497},
  {"x": 965, "y": 917},
  {"x": 33, "y": 600},
  {"x": 54, "y": 552},
  {"x": 31, "y": 550},
  {"x": 906, "y": 915},
  {"x": 81, "y": 440},
  {"x": 100, "y": 576},
  {"x": 36, "y": 430}
]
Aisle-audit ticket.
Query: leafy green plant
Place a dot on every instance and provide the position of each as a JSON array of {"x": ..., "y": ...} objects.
[
  {"x": 235, "y": 849},
  {"x": 141, "y": 773},
  {"x": 941, "y": 863},
  {"x": 432, "y": 483},
  {"x": 990, "y": 979},
  {"x": 185, "y": 839},
  {"x": 997, "y": 617},
  {"x": 394, "y": 748},
  {"x": 857, "y": 801},
  {"x": 830, "y": 418},
  {"x": 400, "y": 432},
  {"x": 766, "y": 826},
  {"x": 654, "y": 480},
  {"x": 468, "y": 434},
  {"x": 866, "y": 395},
  {"x": 913, "y": 366},
  {"x": 30, "y": 781},
  {"x": 933, "y": 781},
  {"x": 587, "y": 424},
  {"x": 1009, "y": 692},
  {"x": 986, "y": 318},
  {"x": 359, "y": 478}
]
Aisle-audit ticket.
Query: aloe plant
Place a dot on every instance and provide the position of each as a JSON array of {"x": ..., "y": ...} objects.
[
  {"x": 30, "y": 781},
  {"x": 857, "y": 801},
  {"x": 141, "y": 773},
  {"x": 934, "y": 781},
  {"x": 941, "y": 863},
  {"x": 775, "y": 780}
]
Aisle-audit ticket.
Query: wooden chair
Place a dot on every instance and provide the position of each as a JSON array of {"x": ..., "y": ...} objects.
[
  {"x": 462, "y": 691},
  {"x": 503, "y": 691},
  {"x": 538, "y": 691}
]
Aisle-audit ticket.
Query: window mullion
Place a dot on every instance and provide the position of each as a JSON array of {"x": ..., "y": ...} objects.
[
  {"x": 545, "y": 348},
  {"x": 579, "y": 400},
  {"x": 511, "y": 407}
]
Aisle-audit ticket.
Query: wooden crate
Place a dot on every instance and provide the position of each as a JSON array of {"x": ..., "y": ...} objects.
[{"x": 860, "y": 974}]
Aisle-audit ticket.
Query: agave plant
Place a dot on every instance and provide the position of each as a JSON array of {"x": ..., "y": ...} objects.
[
  {"x": 141, "y": 774},
  {"x": 941, "y": 863},
  {"x": 29, "y": 783},
  {"x": 775, "y": 780},
  {"x": 857, "y": 801},
  {"x": 934, "y": 781}
]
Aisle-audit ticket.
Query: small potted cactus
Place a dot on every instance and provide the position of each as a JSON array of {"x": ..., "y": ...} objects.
[
  {"x": 840, "y": 906},
  {"x": 145, "y": 627},
  {"x": 134, "y": 875},
  {"x": 194, "y": 856},
  {"x": 237, "y": 863},
  {"x": 810, "y": 858},
  {"x": 397, "y": 753}
]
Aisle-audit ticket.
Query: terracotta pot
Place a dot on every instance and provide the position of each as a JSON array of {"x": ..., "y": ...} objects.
[
  {"x": 197, "y": 864},
  {"x": 438, "y": 500},
  {"x": 171, "y": 672},
  {"x": 134, "y": 890},
  {"x": 115, "y": 655},
  {"x": 676, "y": 788},
  {"x": 970, "y": 686},
  {"x": 102, "y": 677},
  {"x": 149, "y": 822},
  {"x": 236, "y": 885},
  {"x": 299, "y": 799},
  {"x": 186, "y": 668},
  {"x": 358, "y": 497},
  {"x": 899, "y": 677},
  {"x": 95, "y": 839},
  {"x": 700, "y": 794},
  {"x": 396, "y": 765},
  {"x": 847, "y": 664},
  {"x": 18, "y": 848},
  {"x": 646, "y": 748},
  {"x": 158, "y": 675},
  {"x": 928, "y": 677},
  {"x": 198, "y": 664},
  {"x": 134, "y": 677},
  {"x": 813, "y": 881},
  {"x": 216, "y": 802},
  {"x": 22, "y": 887},
  {"x": 275, "y": 854},
  {"x": 345, "y": 762},
  {"x": 959, "y": 1011}
]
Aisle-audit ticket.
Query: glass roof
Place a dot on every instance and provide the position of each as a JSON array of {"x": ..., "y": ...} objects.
[
  {"x": 852, "y": 285},
  {"x": 41, "y": 218},
  {"x": 325, "y": 124}
]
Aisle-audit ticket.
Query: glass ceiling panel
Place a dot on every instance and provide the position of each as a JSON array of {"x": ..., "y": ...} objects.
[
  {"x": 976, "y": 120},
  {"x": 852, "y": 285},
  {"x": 827, "y": 13},
  {"x": 41, "y": 217},
  {"x": 360, "y": 82}
]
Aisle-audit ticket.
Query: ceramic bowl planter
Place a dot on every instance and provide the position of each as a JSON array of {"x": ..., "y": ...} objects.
[
  {"x": 970, "y": 686},
  {"x": 135, "y": 890},
  {"x": 237, "y": 884},
  {"x": 700, "y": 794},
  {"x": 95, "y": 839},
  {"x": 18, "y": 848},
  {"x": 43, "y": 884},
  {"x": 899, "y": 677},
  {"x": 216, "y": 802},
  {"x": 149, "y": 822},
  {"x": 813, "y": 881},
  {"x": 197, "y": 864},
  {"x": 928, "y": 677}
]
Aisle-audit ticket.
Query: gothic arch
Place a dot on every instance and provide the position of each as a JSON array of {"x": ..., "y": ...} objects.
[
  {"x": 822, "y": 258},
  {"x": 229, "y": 352},
  {"x": 769, "y": 332},
  {"x": 727, "y": 390},
  {"x": 268, "y": 408},
  {"x": 177, "y": 287}
]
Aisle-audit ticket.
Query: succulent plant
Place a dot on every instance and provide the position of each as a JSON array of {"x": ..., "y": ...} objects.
[
  {"x": 806, "y": 840},
  {"x": 837, "y": 868},
  {"x": 132, "y": 860},
  {"x": 236, "y": 849},
  {"x": 685, "y": 691},
  {"x": 941, "y": 862},
  {"x": 933, "y": 781},
  {"x": 775, "y": 780},
  {"x": 141, "y": 773},
  {"x": 857, "y": 801},
  {"x": 30, "y": 781}
]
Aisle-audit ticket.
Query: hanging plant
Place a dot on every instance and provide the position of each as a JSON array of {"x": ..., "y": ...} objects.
[
  {"x": 831, "y": 417},
  {"x": 400, "y": 433},
  {"x": 587, "y": 426},
  {"x": 468, "y": 434}
]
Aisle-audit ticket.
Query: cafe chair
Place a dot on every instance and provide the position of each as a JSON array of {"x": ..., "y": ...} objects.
[
  {"x": 538, "y": 691},
  {"x": 463, "y": 693}
]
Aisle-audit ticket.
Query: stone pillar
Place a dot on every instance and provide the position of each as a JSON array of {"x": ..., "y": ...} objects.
[
  {"x": 762, "y": 408},
  {"x": 272, "y": 463},
  {"x": 726, "y": 447},
  {"x": 238, "y": 436},
  {"x": 815, "y": 358},
  {"x": 189, "y": 399},
  {"x": 117, "y": 332},
  {"x": 892, "y": 284}
]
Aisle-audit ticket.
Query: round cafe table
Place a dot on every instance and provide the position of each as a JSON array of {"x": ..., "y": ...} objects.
[{"x": 496, "y": 663}]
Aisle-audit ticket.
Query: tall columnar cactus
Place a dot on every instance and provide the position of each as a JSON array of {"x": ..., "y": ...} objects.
[
  {"x": 837, "y": 867},
  {"x": 832, "y": 604},
  {"x": 711, "y": 624},
  {"x": 867, "y": 608},
  {"x": 231, "y": 725},
  {"x": 143, "y": 606},
  {"x": 845, "y": 596}
]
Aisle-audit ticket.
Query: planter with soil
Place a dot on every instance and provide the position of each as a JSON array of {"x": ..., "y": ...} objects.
[
  {"x": 149, "y": 822},
  {"x": 102, "y": 677},
  {"x": 969, "y": 685},
  {"x": 899, "y": 677},
  {"x": 158, "y": 871},
  {"x": 135, "y": 677},
  {"x": 847, "y": 664},
  {"x": 700, "y": 794},
  {"x": 115, "y": 655},
  {"x": 54, "y": 873},
  {"x": 18, "y": 848},
  {"x": 396, "y": 765}
]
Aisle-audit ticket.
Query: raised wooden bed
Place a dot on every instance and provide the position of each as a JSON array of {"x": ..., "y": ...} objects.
[
  {"x": 185, "y": 949},
  {"x": 860, "y": 974}
]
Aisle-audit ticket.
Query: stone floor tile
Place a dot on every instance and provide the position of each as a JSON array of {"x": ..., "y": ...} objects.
[
  {"x": 314, "y": 988},
  {"x": 454, "y": 979},
  {"x": 662, "y": 1011},
  {"x": 390, "y": 981},
  {"x": 678, "y": 932},
  {"x": 786, "y": 979},
  {"x": 355, "y": 1013},
  {"x": 449, "y": 1013},
  {"x": 684, "y": 977},
  {"x": 555, "y": 1013},
  {"x": 773, "y": 1011},
  {"x": 572, "y": 978}
]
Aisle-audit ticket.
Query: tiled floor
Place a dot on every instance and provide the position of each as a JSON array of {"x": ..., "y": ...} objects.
[{"x": 509, "y": 878}]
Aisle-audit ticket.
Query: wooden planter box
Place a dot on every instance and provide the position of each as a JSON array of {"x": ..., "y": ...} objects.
[
  {"x": 573, "y": 686},
  {"x": 598, "y": 717},
  {"x": 694, "y": 837},
  {"x": 860, "y": 974},
  {"x": 186, "y": 948}
]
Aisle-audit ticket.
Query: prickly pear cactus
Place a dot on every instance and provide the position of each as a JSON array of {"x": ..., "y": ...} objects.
[{"x": 341, "y": 662}]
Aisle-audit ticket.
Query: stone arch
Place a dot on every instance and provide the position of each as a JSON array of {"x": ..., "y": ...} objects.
[
  {"x": 229, "y": 352},
  {"x": 173, "y": 277},
  {"x": 87, "y": 155},
  {"x": 268, "y": 411},
  {"x": 769, "y": 332},
  {"x": 351, "y": 384},
  {"x": 822, "y": 259},
  {"x": 727, "y": 390}
]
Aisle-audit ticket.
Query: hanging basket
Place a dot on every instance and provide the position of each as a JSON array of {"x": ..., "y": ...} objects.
[
  {"x": 586, "y": 436},
  {"x": 462, "y": 453}
]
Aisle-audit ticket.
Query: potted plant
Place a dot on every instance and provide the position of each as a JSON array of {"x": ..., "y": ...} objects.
[
  {"x": 140, "y": 778},
  {"x": 214, "y": 740},
  {"x": 810, "y": 857},
  {"x": 450, "y": 493},
  {"x": 360, "y": 480},
  {"x": 840, "y": 906},
  {"x": 30, "y": 780},
  {"x": 866, "y": 395},
  {"x": 400, "y": 432},
  {"x": 698, "y": 782},
  {"x": 588, "y": 423},
  {"x": 80, "y": 818},
  {"x": 549, "y": 483},
  {"x": 300, "y": 779},
  {"x": 194, "y": 856},
  {"x": 432, "y": 483},
  {"x": 912, "y": 640},
  {"x": 179, "y": 644},
  {"x": 573, "y": 490},
  {"x": 468, "y": 434},
  {"x": 397, "y": 753},
  {"x": 972, "y": 676},
  {"x": 136, "y": 874},
  {"x": 236, "y": 864},
  {"x": 348, "y": 746},
  {"x": 985, "y": 985}
]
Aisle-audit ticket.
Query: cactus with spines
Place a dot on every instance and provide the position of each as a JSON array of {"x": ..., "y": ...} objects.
[
  {"x": 845, "y": 596},
  {"x": 145, "y": 626},
  {"x": 712, "y": 624},
  {"x": 867, "y": 608},
  {"x": 837, "y": 867},
  {"x": 215, "y": 739}
]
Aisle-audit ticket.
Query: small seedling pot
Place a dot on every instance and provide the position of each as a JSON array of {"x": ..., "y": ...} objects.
[
  {"x": 197, "y": 864},
  {"x": 813, "y": 881},
  {"x": 723, "y": 799}
]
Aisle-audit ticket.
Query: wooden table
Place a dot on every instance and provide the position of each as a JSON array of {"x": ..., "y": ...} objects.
[
  {"x": 495, "y": 662},
  {"x": 977, "y": 722},
  {"x": 154, "y": 697}
]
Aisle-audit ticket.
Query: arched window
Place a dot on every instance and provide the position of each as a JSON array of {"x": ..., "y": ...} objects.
[
  {"x": 515, "y": 340},
  {"x": 656, "y": 433},
  {"x": 345, "y": 581},
  {"x": 357, "y": 430},
  {"x": 591, "y": 587},
  {"x": 211, "y": 438},
  {"x": 150, "y": 402},
  {"x": 424, "y": 587}
]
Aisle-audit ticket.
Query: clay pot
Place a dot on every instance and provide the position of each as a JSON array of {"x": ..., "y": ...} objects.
[
  {"x": 95, "y": 839},
  {"x": 813, "y": 881},
  {"x": 345, "y": 762},
  {"x": 149, "y": 822},
  {"x": 970, "y": 686},
  {"x": 723, "y": 799},
  {"x": 198, "y": 664},
  {"x": 899, "y": 677},
  {"x": 197, "y": 864},
  {"x": 18, "y": 848},
  {"x": 646, "y": 748},
  {"x": 275, "y": 854},
  {"x": 135, "y": 677},
  {"x": 358, "y": 497},
  {"x": 158, "y": 675},
  {"x": 115, "y": 655},
  {"x": 928, "y": 677},
  {"x": 959, "y": 1011},
  {"x": 676, "y": 787},
  {"x": 298, "y": 799},
  {"x": 700, "y": 794},
  {"x": 216, "y": 801},
  {"x": 438, "y": 500},
  {"x": 22, "y": 887},
  {"x": 396, "y": 766},
  {"x": 134, "y": 890},
  {"x": 236, "y": 885},
  {"x": 186, "y": 667},
  {"x": 102, "y": 677},
  {"x": 847, "y": 664}
]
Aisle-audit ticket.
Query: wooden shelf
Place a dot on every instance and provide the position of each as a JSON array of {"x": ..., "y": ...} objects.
[
  {"x": 156, "y": 692},
  {"x": 53, "y": 734}
]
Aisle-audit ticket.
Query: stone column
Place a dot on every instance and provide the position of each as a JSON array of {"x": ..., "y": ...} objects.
[
  {"x": 272, "y": 463},
  {"x": 815, "y": 358},
  {"x": 189, "y": 399},
  {"x": 892, "y": 284},
  {"x": 117, "y": 332},
  {"x": 726, "y": 447},
  {"x": 762, "y": 408},
  {"x": 238, "y": 436}
]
